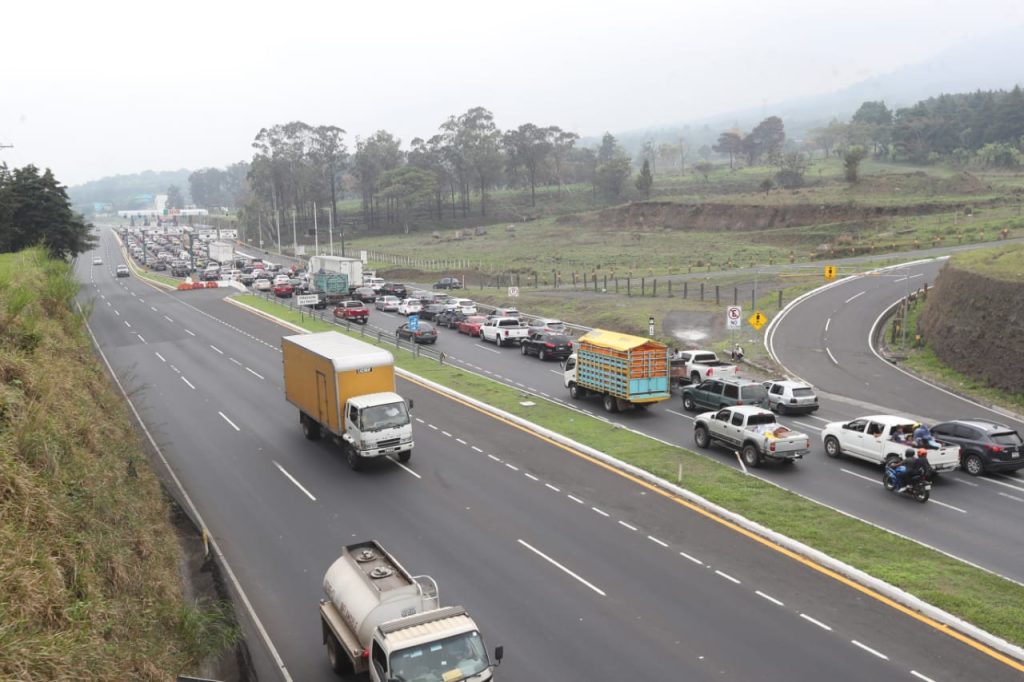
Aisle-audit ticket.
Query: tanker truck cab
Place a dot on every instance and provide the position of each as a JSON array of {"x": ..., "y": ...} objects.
[{"x": 379, "y": 619}]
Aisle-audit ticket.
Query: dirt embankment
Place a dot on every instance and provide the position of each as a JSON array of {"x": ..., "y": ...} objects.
[{"x": 975, "y": 324}]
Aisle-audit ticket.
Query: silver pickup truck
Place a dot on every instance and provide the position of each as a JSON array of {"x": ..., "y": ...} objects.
[
  {"x": 503, "y": 331},
  {"x": 754, "y": 432}
]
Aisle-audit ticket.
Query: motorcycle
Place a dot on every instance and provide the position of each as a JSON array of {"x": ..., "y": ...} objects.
[{"x": 920, "y": 489}]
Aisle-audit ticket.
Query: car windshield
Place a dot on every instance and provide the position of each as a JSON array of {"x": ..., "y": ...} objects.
[
  {"x": 454, "y": 658},
  {"x": 1006, "y": 438},
  {"x": 802, "y": 392},
  {"x": 383, "y": 417}
]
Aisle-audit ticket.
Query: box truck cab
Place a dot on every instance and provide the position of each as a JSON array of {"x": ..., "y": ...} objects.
[{"x": 346, "y": 387}]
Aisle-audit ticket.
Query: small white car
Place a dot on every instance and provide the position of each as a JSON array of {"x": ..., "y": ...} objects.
[
  {"x": 282, "y": 279},
  {"x": 388, "y": 304},
  {"x": 410, "y": 306},
  {"x": 463, "y": 305},
  {"x": 787, "y": 396},
  {"x": 262, "y": 284},
  {"x": 97, "y": 261}
]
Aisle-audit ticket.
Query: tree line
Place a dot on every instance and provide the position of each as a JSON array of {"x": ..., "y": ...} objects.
[{"x": 35, "y": 211}]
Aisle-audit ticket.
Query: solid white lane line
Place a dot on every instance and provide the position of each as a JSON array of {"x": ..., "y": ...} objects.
[
  {"x": 168, "y": 319},
  {"x": 691, "y": 558},
  {"x": 768, "y": 597},
  {"x": 832, "y": 356},
  {"x": 513, "y": 467},
  {"x": 602, "y": 513},
  {"x": 868, "y": 649},
  {"x": 623, "y": 523},
  {"x": 161, "y": 357},
  {"x": 530, "y": 476},
  {"x": 292, "y": 479},
  {"x": 553, "y": 487},
  {"x": 235, "y": 361},
  {"x": 949, "y": 506},
  {"x": 407, "y": 468},
  {"x": 816, "y": 622},
  {"x": 189, "y": 331},
  {"x": 866, "y": 478},
  {"x": 827, "y": 323},
  {"x": 489, "y": 350},
  {"x": 475, "y": 448},
  {"x": 460, "y": 441},
  {"x": 216, "y": 349},
  {"x": 920, "y": 676},
  {"x": 143, "y": 340},
  {"x": 128, "y": 324},
  {"x": 225, "y": 417},
  {"x": 727, "y": 577},
  {"x": 995, "y": 481},
  {"x": 657, "y": 541},
  {"x": 255, "y": 374},
  {"x": 681, "y": 414},
  {"x": 855, "y": 296},
  {"x": 561, "y": 567},
  {"x": 189, "y": 383},
  {"x": 574, "y": 498}
]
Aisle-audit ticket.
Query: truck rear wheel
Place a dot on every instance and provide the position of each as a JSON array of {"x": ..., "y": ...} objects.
[
  {"x": 339, "y": 662},
  {"x": 610, "y": 403},
  {"x": 310, "y": 428},
  {"x": 751, "y": 457}
]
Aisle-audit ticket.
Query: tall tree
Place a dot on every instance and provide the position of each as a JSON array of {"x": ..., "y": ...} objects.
[
  {"x": 330, "y": 152},
  {"x": 481, "y": 145},
  {"x": 562, "y": 142},
  {"x": 730, "y": 143},
  {"x": 527, "y": 147},
  {"x": 645, "y": 180},
  {"x": 175, "y": 198},
  {"x": 613, "y": 167},
  {"x": 409, "y": 187},
  {"x": 766, "y": 140},
  {"x": 35, "y": 209},
  {"x": 851, "y": 162}
]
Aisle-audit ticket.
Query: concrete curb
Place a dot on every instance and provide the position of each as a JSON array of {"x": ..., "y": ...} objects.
[{"x": 856, "y": 575}]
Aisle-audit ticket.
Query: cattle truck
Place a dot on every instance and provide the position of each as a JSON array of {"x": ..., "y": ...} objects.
[
  {"x": 380, "y": 620},
  {"x": 626, "y": 371},
  {"x": 346, "y": 388}
]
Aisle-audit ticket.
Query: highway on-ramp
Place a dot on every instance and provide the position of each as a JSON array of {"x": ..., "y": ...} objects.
[{"x": 581, "y": 572}]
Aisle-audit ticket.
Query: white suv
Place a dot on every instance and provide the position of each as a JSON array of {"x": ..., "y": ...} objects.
[
  {"x": 787, "y": 396},
  {"x": 410, "y": 306}
]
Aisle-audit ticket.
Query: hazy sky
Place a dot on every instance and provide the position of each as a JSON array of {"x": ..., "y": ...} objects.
[{"x": 98, "y": 88}]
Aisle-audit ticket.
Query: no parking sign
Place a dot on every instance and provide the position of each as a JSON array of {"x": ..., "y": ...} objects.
[{"x": 733, "y": 317}]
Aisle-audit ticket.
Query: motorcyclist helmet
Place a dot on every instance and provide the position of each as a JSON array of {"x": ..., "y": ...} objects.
[
  {"x": 909, "y": 453},
  {"x": 922, "y": 452}
]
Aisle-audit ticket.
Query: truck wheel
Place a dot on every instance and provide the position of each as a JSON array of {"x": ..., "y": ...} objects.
[
  {"x": 355, "y": 462},
  {"x": 701, "y": 437},
  {"x": 832, "y": 448},
  {"x": 542, "y": 356},
  {"x": 695, "y": 378},
  {"x": 574, "y": 392},
  {"x": 339, "y": 663},
  {"x": 751, "y": 457},
  {"x": 610, "y": 404},
  {"x": 310, "y": 428},
  {"x": 688, "y": 404},
  {"x": 973, "y": 465},
  {"x": 403, "y": 457},
  {"x": 522, "y": 349}
]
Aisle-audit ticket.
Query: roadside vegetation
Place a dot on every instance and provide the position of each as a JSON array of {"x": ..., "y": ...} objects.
[
  {"x": 986, "y": 600},
  {"x": 91, "y": 584}
]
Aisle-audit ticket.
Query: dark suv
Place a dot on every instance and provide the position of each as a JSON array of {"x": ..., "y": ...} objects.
[
  {"x": 448, "y": 283},
  {"x": 547, "y": 345},
  {"x": 394, "y": 289},
  {"x": 985, "y": 446},
  {"x": 715, "y": 394}
]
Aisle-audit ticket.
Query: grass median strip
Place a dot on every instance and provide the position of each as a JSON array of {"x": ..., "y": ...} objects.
[{"x": 974, "y": 595}]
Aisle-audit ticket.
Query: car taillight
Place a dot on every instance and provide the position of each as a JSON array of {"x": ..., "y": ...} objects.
[
  {"x": 772, "y": 446},
  {"x": 365, "y": 654},
  {"x": 995, "y": 449},
  {"x": 549, "y": 345},
  {"x": 709, "y": 372},
  {"x": 808, "y": 446},
  {"x": 570, "y": 344}
]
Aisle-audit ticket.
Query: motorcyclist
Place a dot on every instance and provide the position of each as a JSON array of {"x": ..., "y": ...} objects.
[{"x": 915, "y": 468}]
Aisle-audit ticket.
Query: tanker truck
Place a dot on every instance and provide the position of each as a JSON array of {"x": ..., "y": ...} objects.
[{"x": 379, "y": 619}]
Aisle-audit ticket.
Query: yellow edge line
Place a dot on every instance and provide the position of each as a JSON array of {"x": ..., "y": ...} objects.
[{"x": 941, "y": 627}]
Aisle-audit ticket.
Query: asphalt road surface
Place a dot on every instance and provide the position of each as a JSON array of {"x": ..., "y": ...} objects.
[{"x": 581, "y": 572}]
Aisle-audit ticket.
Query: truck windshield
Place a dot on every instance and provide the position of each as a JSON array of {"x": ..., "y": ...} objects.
[
  {"x": 446, "y": 660},
  {"x": 383, "y": 417}
]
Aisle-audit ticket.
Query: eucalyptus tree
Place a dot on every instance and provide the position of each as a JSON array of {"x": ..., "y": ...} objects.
[{"x": 527, "y": 147}]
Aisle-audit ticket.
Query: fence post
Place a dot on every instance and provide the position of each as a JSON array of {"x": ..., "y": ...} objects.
[
  {"x": 780, "y": 299},
  {"x": 735, "y": 295},
  {"x": 716, "y": 295},
  {"x": 670, "y": 288},
  {"x": 686, "y": 286},
  {"x": 654, "y": 288},
  {"x": 702, "y": 291},
  {"x": 605, "y": 287},
  {"x": 629, "y": 286}
]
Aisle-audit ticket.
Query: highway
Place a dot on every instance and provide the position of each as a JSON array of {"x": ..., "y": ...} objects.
[{"x": 580, "y": 572}]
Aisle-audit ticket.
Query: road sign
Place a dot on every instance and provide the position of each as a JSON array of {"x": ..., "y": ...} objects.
[
  {"x": 733, "y": 315},
  {"x": 513, "y": 292},
  {"x": 414, "y": 322},
  {"x": 307, "y": 299},
  {"x": 830, "y": 272},
  {"x": 757, "y": 320},
  {"x": 650, "y": 326}
]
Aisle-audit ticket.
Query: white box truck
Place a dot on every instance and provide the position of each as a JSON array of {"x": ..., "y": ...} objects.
[
  {"x": 223, "y": 253},
  {"x": 334, "y": 276},
  {"x": 379, "y": 619}
]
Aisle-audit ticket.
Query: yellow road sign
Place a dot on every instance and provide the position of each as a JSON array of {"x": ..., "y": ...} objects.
[
  {"x": 758, "y": 320},
  {"x": 830, "y": 272}
]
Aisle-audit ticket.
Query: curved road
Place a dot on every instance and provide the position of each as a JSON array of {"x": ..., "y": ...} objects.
[{"x": 581, "y": 572}]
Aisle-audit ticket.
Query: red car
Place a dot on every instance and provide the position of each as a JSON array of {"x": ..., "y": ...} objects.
[
  {"x": 352, "y": 310},
  {"x": 284, "y": 290},
  {"x": 471, "y": 325}
]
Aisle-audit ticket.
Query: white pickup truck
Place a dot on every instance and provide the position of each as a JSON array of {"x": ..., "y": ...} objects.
[
  {"x": 694, "y": 366},
  {"x": 502, "y": 331},
  {"x": 872, "y": 438},
  {"x": 754, "y": 432}
]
